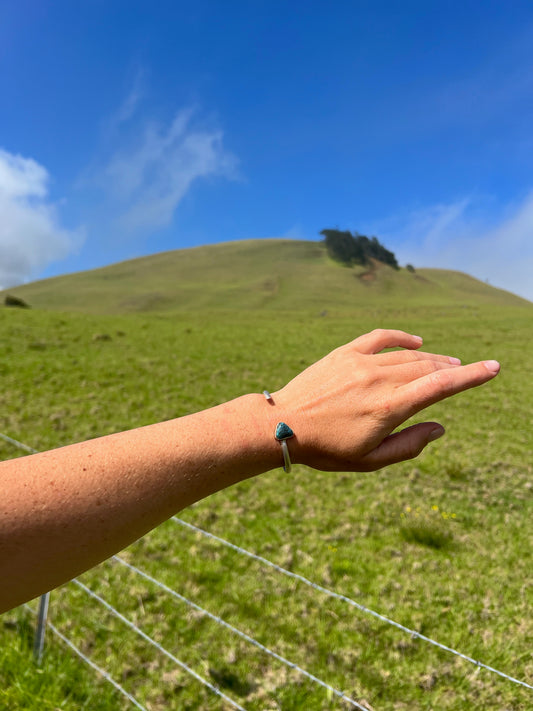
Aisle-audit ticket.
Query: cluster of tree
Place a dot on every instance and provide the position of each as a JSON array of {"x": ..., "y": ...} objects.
[
  {"x": 16, "y": 301},
  {"x": 349, "y": 248}
]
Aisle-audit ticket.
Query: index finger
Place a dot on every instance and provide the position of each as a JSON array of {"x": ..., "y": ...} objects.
[
  {"x": 432, "y": 388},
  {"x": 381, "y": 338}
]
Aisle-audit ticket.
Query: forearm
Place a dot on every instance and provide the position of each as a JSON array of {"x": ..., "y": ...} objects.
[{"x": 63, "y": 511}]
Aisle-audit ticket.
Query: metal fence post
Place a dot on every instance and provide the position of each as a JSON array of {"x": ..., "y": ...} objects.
[{"x": 38, "y": 642}]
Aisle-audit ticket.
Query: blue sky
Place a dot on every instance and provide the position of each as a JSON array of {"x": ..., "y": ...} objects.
[{"x": 131, "y": 127}]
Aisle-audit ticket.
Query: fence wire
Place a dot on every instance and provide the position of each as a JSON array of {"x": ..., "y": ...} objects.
[
  {"x": 18, "y": 444},
  {"x": 159, "y": 647},
  {"x": 94, "y": 666},
  {"x": 242, "y": 635},
  {"x": 344, "y": 598}
]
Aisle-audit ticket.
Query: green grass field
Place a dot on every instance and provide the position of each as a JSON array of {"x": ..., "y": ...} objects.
[{"x": 442, "y": 544}]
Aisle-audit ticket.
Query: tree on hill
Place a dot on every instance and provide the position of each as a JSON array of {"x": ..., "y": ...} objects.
[
  {"x": 16, "y": 301},
  {"x": 348, "y": 248}
]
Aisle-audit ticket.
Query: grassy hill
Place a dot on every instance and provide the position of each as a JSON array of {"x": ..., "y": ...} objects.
[{"x": 274, "y": 274}]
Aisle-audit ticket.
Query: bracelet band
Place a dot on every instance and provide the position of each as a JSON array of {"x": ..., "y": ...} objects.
[
  {"x": 282, "y": 434},
  {"x": 287, "y": 465}
]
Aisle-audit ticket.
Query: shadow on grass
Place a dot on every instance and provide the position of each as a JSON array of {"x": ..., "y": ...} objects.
[
  {"x": 426, "y": 532},
  {"x": 227, "y": 679}
]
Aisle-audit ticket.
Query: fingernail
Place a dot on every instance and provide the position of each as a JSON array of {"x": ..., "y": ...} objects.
[
  {"x": 493, "y": 366},
  {"x": 418, "y": 338},
  {"x": 454, "y": 361},
  {"x": 436, "y": 433}
]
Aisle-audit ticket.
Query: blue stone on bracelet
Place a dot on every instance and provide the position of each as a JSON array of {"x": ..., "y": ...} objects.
[{"x": 283, "y": 431}]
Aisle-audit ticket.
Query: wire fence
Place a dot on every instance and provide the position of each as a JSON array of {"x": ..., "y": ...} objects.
[
  {"x": 331, "y": 690},
  {"x": 239, "y": 633},
  {"x": 158, "y": 646},
  {"x": 353, "y": 603},
  {"x": 103, "y": 673}
]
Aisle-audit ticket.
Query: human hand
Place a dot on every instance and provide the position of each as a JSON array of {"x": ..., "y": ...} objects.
[{"x": 344, "y": 408}]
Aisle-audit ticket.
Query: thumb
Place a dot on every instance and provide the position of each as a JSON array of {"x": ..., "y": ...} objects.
[{"x": 403, "y": 445}]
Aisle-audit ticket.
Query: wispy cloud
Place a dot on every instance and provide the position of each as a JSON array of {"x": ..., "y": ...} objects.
[
  {"x": 30, "y": 234},
  {"x": 129, "y": 106},
  {"x": 155, "y": 165},
  {"x": 457, "y": 236}
]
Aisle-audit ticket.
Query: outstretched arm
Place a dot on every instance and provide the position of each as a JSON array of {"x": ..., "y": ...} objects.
[{"x": 64, "y": 511}]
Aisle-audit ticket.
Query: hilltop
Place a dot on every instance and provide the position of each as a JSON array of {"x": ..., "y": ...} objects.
[{"x": 269, "y": 273}]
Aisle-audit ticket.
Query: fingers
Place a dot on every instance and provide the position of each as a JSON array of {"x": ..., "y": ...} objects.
[
  {"x": 398, "y": 375},
  {"x": 440, "y": 384},
  {"x": 407, "y": 356},
  {"x": 381, "y": 338},
  {"x": 401, "y": 446}
]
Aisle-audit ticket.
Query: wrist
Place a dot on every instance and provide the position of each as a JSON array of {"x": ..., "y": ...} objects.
[{"x": 253, "y": 424}]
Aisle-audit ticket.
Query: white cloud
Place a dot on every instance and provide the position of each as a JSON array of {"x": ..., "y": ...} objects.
[
  {"x": 21, "y": 177},
  {"x": 147, "y": 179},
  {"x": 30, "y": 234},
  {"x": 456, "y": 236}
]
